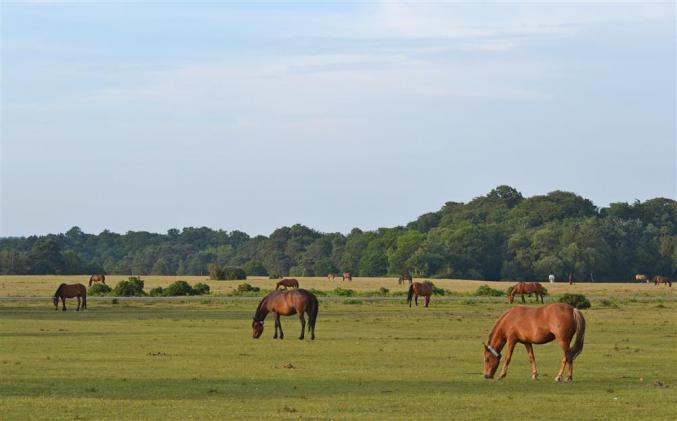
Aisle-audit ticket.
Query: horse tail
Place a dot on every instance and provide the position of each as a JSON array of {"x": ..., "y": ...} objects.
[
  {"x": 410, "y": 294},
  {"x": 312, "y": 312},
  {"x": 580, "y": 335}
]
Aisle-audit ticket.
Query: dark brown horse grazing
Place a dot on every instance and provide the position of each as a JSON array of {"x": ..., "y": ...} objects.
[
  {"x": 417, "y": 289},
  {"x": 404, "y": 278},
  {"x": 97, "y": 278},
  {"x": 528, "y": 326},
  {"x": 348, "y": 276},
  {"x": 331, "y": 276},
  {"x": 287, "y": 303},
  {"x": 69, "y": 291},
  {"x": 662, "y": 280},
  {"x": 287, "y": 283},
  {"x": 527, "y": 288}
]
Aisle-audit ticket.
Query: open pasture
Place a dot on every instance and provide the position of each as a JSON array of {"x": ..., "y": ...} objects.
[
  {"x": 42, "y": 286},
  {"x": 376, "y": 360}
]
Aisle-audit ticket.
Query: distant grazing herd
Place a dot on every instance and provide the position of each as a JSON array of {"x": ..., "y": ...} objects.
[{"x": 525, "y": 325}]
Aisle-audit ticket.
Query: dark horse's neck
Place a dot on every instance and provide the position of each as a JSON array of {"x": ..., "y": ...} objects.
[
  {"x": 261, "y": 311},
  {"x": 58, "y": 290}
]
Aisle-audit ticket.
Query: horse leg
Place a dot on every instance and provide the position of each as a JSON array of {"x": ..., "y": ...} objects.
[
  {"x": 523, "y": 299},
  {"x": 278, "y": 325},
  {"x": 78, "y": 308},
  {"x": 416, "y": 300},
  {"x": 427, "y": 300},
  {"x": 508, "y": 356},
  {"x": 63, "y": 303},
  {"x": 303, "y": 324},
  {"x": 532, "y": 360},
  {"x": 565, "y": 350}
]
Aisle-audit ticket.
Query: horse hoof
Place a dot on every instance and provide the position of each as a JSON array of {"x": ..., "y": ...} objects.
[
  {"x": 534, "y": 376},
  {"x": 558, "y": 379},
  {"x": 569, "y": 380}
]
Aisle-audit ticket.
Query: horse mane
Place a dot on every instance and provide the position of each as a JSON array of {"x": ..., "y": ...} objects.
[
  {"x": 258, "y": 309},
  {"x": 58, "y": 290},
  {"x": 498, "y": 322}
]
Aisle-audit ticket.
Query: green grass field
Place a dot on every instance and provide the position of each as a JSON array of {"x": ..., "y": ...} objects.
[{"x": 375, "y": 360}]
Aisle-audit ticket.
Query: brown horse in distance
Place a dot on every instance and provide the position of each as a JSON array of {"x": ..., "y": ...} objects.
[
  {"x": 417, "y": 289},
  {"x": 287, "y": 283},
  {"x": 527, "y": 288},
  {"x": 287, "y": 303},
  {"x": 662, "y": 280},
  {"x": 97, "y": 278},
  {"x": 70, "y": 291},
  {"x": 348, "y": 276},
  {"x": 640, "y": 277},
  {"x": 528, "y": 326},
  {"x": 331, "y": 276},
  {"x": 404, "y": 278}
]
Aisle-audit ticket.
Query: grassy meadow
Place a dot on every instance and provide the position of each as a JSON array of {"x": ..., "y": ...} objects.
[{"x": 372, "y": 360}]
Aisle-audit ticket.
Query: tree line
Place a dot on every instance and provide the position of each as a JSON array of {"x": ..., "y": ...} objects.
[{"x": 500, "y": 235}]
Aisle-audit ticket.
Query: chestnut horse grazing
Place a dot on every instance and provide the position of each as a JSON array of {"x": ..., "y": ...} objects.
[
  {"x": 527, "y": 288},
  {"x": 662, "y": 280},
  {"x": 404, "y": 278},
  {"x": 418, "y": 288},
  {"x": 528, "y": 326},
  {"x": 348, "y": 276},
  {"x": 331, "y": 276},
  {"x": 69, "y": 291},
  {"x": 287, "y": 303},
  {"x": 97, "y": 278},
  {"x": 287, "y": 283}
]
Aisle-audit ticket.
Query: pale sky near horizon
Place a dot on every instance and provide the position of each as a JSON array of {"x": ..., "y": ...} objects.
[{"x": 254, "y": 116}]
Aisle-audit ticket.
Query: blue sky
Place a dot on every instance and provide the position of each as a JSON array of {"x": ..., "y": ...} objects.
[{"x": 253, "y": 116}]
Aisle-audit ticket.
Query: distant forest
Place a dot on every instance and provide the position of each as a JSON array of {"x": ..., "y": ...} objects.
[{"x": 501, "y": 235}]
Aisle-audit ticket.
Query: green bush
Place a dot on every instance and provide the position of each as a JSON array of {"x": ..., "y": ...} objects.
[
  {"x": 133, "y": 287},
  {"x": 99, "y": 289},
  {"x": 201, "y": 288},
  {"x": 247, "y": 288},
  {"x": 233, "y": 273},
  {"x": 436, "y": 290},
  {"x": 179, "y": 288},
  {"x": 576, "y": 300},
  {"x": 344, "y": 292},
  {"x": 274, "y": 276},
  {"x": 486, "y": 291},
  {"x": 156, "y": 292},
  {"x": 383, "y": 291}
]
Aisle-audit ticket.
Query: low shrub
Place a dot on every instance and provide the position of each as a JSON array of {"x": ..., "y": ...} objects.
[
  {"x": 201, "y": 288},
  {"x": 576, "y": 300},
  {"x": 157, "y": 292},
  {"x": 133, "y": 287},
  {"x": 383, "y": 291},
  {"x": 179, "y": 288},
  {"x": 344, "y": 292},
  {"x": 274, "y": 276},
  {"x": 486, "y": 291},
  {"x": 99, "y": 289},
  {"x": 247, "y": 288}
]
